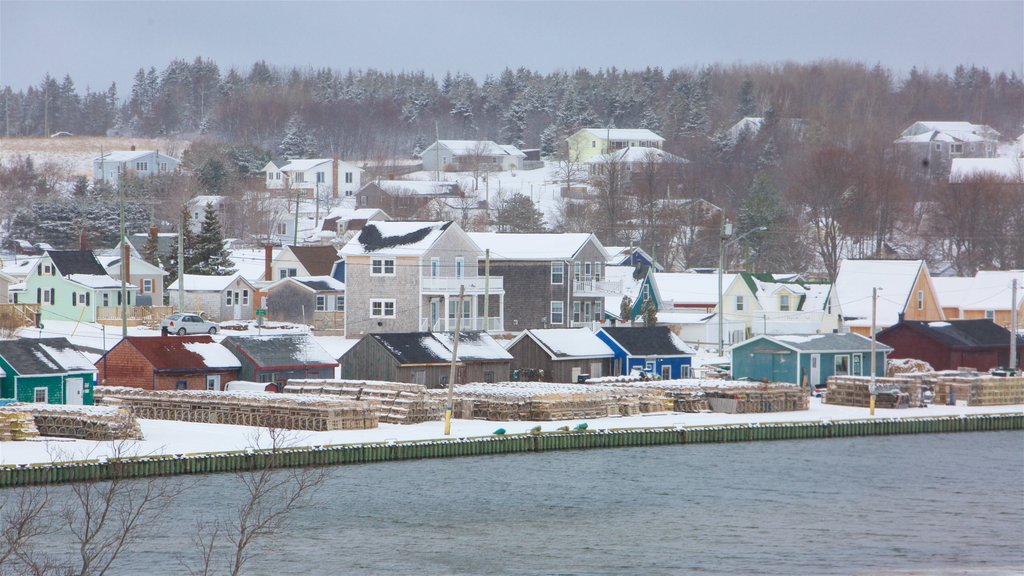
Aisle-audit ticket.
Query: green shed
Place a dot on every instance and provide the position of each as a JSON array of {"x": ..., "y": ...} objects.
[
  {"x": 47, "y": 371},
  {"x": 806, "y": 359}
]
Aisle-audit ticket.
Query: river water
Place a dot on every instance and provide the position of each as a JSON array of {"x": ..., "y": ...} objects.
[{"x": 928, "y": 504}]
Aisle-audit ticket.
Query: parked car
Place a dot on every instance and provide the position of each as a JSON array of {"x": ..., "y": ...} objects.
[{"x": 182, "y": 323}]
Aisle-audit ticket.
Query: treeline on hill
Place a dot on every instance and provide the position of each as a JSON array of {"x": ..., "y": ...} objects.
[{"x": 820, "y": 173}]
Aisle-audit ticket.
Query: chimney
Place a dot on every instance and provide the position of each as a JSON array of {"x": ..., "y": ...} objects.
[
  {"x": 334, "y": 176},
  {"x": 82, "y": 244},
  {"x": 133, "y": 147},
  {"x": 268, "y": 257}
]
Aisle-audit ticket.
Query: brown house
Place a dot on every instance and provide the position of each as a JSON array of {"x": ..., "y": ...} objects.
[
  {"x": 978, "y": 344},
  {"x": 168, "y": 363},
  {"x": 563, "y": 354}
]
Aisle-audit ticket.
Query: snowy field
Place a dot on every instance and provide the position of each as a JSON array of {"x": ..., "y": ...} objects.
[
  {"x": 74, "y": 155},
  {"x": 166, "y": 437}
]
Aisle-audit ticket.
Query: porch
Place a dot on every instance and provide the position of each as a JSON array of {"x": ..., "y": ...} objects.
[{"x": 137, "y": 315}]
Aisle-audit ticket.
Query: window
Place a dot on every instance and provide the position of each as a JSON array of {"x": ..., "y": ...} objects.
[
  {"x": 593, "y": 143},
  {"x": 435, "y": 267},
  {"x": 181, "y": 385},
  {"x": 598, "y": 311},
  {"x": 320, "y": 178},
  {"x": 972, "y": 147},
  {"x": 245, "y": 297},
  {"x": 300, "y": 177},
  {"x": 739, "y": 303},
  {"x": 842, "y": 365},
  {"x": 557, "y": 272},
  {"x": 956, "y": 148},
  {"x": 588, "y": 271},
  {"x": 362, "y": 200},
  {"x": 40, "y": 395},
  {"x": 465, "y": 310},
  {"x": 227, "y": 298},
  {"x": 488, "y": 376},
  {"x": 339, "y": 303},
  {"x": 281, "y": 228},
  {"x": 597, "y": 271},
  {"x": 83, "y": 298},
  {"x": 443, "y": 380},
  {"x": 46, "y": 296},
  {"x": 460, "y": 267},
  {"x": 938, "y": 147},
  {"x": 147, "y": 285},
  {"x": 141, "y": 166},
  {"x": 287, "y": 272},
  {"x": 382, "y": 267},
  {"x": 47, "y": 270},
  {"x": 920, "y": 299},
  {"x": 106, "y": 299},
  {"x": 576, "y": 269},
  {"x": 321, "y": 303},
  {"x": 382, "y": 308},
  {"x": 557, "y": 312},
  {"x": 348, "y": 177},
  {"x": 163, "y": 166},
  {"x": 857, "y": 365},
  {"x": 784, "y": 302},
  {"x": 990, "y": 314},
  {"x": 575, "y": 311},
  {"x": 586, "y": 312}
]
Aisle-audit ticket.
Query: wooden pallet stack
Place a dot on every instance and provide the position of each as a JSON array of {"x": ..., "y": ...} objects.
[
  {"x": 399, "y": 403},
  {"x": 996, "y": 391},
  {"x": 755, "y": 398},
  {"x": 896, "y": 392},
  {"x": 535, "y": 401},
  {"x": 17, "y": 426},
  {"x": 263, "y": 409},
  {"x": 681, "y": 395},
  {"x": 80, "y": 422}
]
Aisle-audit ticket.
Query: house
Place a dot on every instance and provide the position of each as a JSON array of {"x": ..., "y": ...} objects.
[
  {"x": 5, "y": 282},
  {"x": 168, "y": 363},
  {"x": 343, "y": 220},
  {"x": 637, "y": 284},
  {"x": 45, "y": 371},
  {"x": 931, "y": 146},
  {"x": 197, "y": 210},
  {"x": 303, "y": 261},
  {"x": 590, "y": 142},
  {"x": 986, "y": 295},
  {"x": 165, "y": 243},
  {"x": 563, "y": 354},
  {"x": 218, "y": 297},
  {"x": 954, "y": 344},
  {"x": 634, "y": 159},
  {"x": 905, "y": 290},
  {"x": 147, "y": 279},
  {"x": 405, "y": 198},
  {"x": 689, "y": 304},
  {"x": 72, "y": 285},
  {"x": 750, "y": 126},
  {"x": 472, "y": 155},
  {"x": 425, "y": 358},
  {"x": 406, "y": 277},
  {"x": 314, "y": 176},
  {"x": 776, "y": 304},
  {"x": 1004, "y": 170},
  {"x": 318, "y": 301},
  {"x": 631, "y": 256},
  {"x": 108, "y": 167},
  {"x": 551, "y": 280},
  {"x": 655, "y": 350},
  {"x": 806, "y": 359},
  {"x": 279, "y": 358}
]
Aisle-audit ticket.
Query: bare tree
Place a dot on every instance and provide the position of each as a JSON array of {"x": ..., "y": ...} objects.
[
  {"x": 610, "y": 179},
  {"x": 827, "y": 189},
  {"x": 569, "y": 170},
  {"x": 25, "y": 516}
]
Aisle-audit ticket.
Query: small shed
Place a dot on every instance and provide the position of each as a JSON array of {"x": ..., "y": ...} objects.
[
  {"x": 562, "y": 353},
  {"x": 168, "y": 363},
  {"x": 655, "y": 350},
  {"x": 979, "y": 344},
  {"x": 806, "y": 358},
  {"x": 46, "y": 371},
  {"x": 220, "y": 297},
  {"x": 279, "y": 358},
  {"x": 425, "y": 358},
  {"x": 315, "y": 300}
]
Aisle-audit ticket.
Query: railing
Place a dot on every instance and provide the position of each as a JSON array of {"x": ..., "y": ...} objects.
[
  {"x": 473, "y": 284},
  {"x": 587, "y": 286},
  {"x": 136, "y": 314},
  {"x": 594, "y": 326},
  {"x": 14, "y": 316},
  {"x": 474, "y": 324}
]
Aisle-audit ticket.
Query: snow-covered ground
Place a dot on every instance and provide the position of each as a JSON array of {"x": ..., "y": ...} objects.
[
  {"x": 75, "y": 154},
  {"x": 165, "y": 437}
]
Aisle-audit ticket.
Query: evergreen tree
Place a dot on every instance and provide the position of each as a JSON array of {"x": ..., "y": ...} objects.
[
  {"x": 515, "y": 124},
  {"x": 211, "y": 257},
  {"x": 150, "y": 252},
  {"x": 745, "y": 99},
  {"x": 649, "y": 313},
  {"x": 763, "y": 208},
  {"x": 188, "y": 240},
  {"x": 626, "y": 309},
  {"x": 549, "y": 141},
  {"x": 297, "y": 141},
  {"x": 519, "y": 214}
]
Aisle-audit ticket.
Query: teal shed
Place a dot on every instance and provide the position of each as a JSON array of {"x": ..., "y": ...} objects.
[
  {"x": 46, "y": 371},
  {"x": 806, "y": 359}
]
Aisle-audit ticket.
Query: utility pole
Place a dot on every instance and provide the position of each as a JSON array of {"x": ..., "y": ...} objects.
[
  {"x": 181, "y": 260},
  {"x": 874, "y": 310},
  {"x": 487, "y": 288},
  {"x": 724, "y": 232},
  {"x": 449, "y": 407},
  {"x": 295, "y": 232},
  {"x": 1013, "y": 325},
  {"x": 124, "y": 263}
]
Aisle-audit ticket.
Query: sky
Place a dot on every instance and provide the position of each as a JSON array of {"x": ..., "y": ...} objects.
[{"x": 99, "y": 42}]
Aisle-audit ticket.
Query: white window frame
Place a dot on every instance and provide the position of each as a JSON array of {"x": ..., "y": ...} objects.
[
  {"x": 956, "y": 148},
  {"x": 348, "y": 177},
  {"x": 857, "y": 365},
  {"x": 147, "y": 285},
  {"x": 560, "y": 312},
  {"x": 739, "y": 303},
  {"x": 81, "y": 298},
  {"x": 321, "y": 177},
  {"x": 245, "y": 297},
  {"x": 321, "y": 303},
  {"x": 380, "y": 308},
  {"x": 435, "y": 267},
  {"x": 576, "y": 311},
  {"x": 163, "y": 166},
  {"x": 920, "y": 299},
  {"x": 46, "y": 395},
  {"x": 577, "y": 271},
  {"x": 990, "y": 314},
  {"x": 835, "y": 364},
  {"x": 300, "y": 177},
  {"x": 460, "y": 266},
  {"x": 227, "y": 298},
  {"x": 339, "y": 302},
  {"x": 142, "y": 166},
  {"x": 597, "y": 271},
  {"x": 382, "y": 267},
  {"x": 558, "y": 270},
  {"x": 783, "y": 302}
]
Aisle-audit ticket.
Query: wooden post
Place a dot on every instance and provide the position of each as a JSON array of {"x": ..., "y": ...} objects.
[{"x": 449, "y": 407}]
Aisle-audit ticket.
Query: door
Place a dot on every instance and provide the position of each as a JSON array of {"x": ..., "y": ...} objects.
[
  {"x": 666, "y": 372},
  {"x": 435, "y": 315},
  {"x": 213, "y": 382},
  {"x": 74, "y": 391},
  {"x": 815, "y": 369},
  {"x": 595, "y": 370},
  {"x": 238, "y": 306}
]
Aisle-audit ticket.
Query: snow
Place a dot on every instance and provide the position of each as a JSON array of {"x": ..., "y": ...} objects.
[
  {"x": 796, "y": 339},
  {"x": 988, "y": 290},
  {"x": 639, "y": 134},
  {"x": 939, "y": 324},
  {"x": 337, "y": 346},
  {"x": 636, "y": 155},
  {"x": 96, "y": 281},
  {"x": 1008, "y": 169},
  {"x": 393, "y": 229},
  {"x": 20, "y": 269},
  {"x": 169, "y": 437},
  {"x": 201, "y": 283},
  {"x": 42, "y": 358},
  {"x": 301, "y": 165},
  {"x": 68, "y": 358},
  {"x": 690, "y": 288},
  {"x": 894, "y": 278},
  {"x": 125, "y": 155},
  {"x": 477, "y": 147},
  {"x": 249, "y": 262},
  {"x": 575, "y": 342},
  {"x": 214, "y": 355},
  {"x": 531, "y": 246},
  {"x": 480, "y": 347},
  {"x": 416, "y": 187}
]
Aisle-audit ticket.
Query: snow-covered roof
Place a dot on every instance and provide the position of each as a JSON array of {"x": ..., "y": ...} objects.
[
  {"x": 472, "y": 346},
  {"x": 988, "y": 290},
  {"x": 21, "y": 268},
  {"x": 1008, "y": 169},
  {"x": 281, "y": 350},
  {"x": 347, "y": 213},
  {"x": 843, "y": 342},
  {"x": 314, "y": 283},
  {"x": 817, "y": 296},
  {"x": 126, "y": 155},
  {"x": 622, "y": 277},
  {"x": 532, "y": 246},
  {"x": 929, "y": 130},
  {"x": 395, "y": 238},
  {"x": 203, "y": 283},
  {"x": 303, "y": 164},
  {"x": 214, "y": 354},
  {"x": 417, "y": 187},
  {"x": 894, "y": 278},
  {"x": 474, "y": 147},
  {"x": 637, "y": 154},
  {"x": 567, "y": 343},
  {"x": 66, "y": 356},
  {"x": 138, "y": 266},
  {"x": 615, "y": 134},
  {"x": 251, "y": 262},
  {"x": 96, "y": 281},
  {"x": 690, "y": 288}
]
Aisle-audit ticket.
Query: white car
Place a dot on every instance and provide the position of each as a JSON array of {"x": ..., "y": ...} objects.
[{"x": 182, "y": 323}]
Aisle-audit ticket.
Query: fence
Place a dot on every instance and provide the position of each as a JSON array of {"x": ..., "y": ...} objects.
[{"x": 111, "y": 315}]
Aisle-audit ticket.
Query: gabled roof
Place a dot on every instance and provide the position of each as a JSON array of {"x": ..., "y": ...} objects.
[
  {"x": 567, "y": 343},
  {"x": 624, "y": 134},
  {"x": 987, "y": 290},
  {"x": 416, "y": 187},
  {"x": 691, "y": 288},
  {"x": 312, "y": 283},
  {"x": 765, "y": 287},
  {"x": 317, "y": 260},
  {"x": 203, "y": 283},
  {"x": 76, "y": 262},
  {"x": 653, "y": 341},
  {"x": 303, "y": 164},
  {"x": 436, "y": 347},
  {"x": 471, "y": 147},
  {"x": 280, "y": 350},
  {"x": 959, "y": 334},
  {"x": 894, "y": 278},
  {"x": 43, "y": 356},
  {"x": 138, "y": 266},
  {"x": 183, "y": 353},
  {"x": 637, "y": 154},
  {"x": 832, "y": 342},
  {"x": 396, "y": 238},
  {"x": 127, "y": 155},
  {"x": 508, "y": 246}
]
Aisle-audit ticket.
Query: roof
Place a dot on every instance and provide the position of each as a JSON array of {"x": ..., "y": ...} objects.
[
  {"x": 637, "y": 154},
  {"x": 532, "y": 246},
  {"x": 138, "y": 266},
  {"x": 76, "y": 262},
  {"x": 765, "y": 287},
  {"x": 436, "y": 347},
  {"x": 894, "y": 278},
  {"x": 624, "y": 134},
  {"x": 567, "y": 343},
  {"x": 317, "y": 260},
  {"x": 691, "y": 287},
  {"x": 416, "y": 187},
  {"x": 281, "y": 350},
  {"x": 832, "y": 342},
  {"x": 303, "y": 164},
  {"x": 183, "y": 353},
  {"x": 395, "y": 238},
  {"x": 1008, "y": 169},
  {"x": 320, "y": 283},
  {"x": 477, "y": 147},
  {"x": 202, "y": 283},
  {"x": 988, "y": 290},
  {"x": 126, "y": 155},
  {"x": 959, "y": 333},
  {"x": 43, "y": 356},
  {"x": 653, "y": 341},
  {"x": 629, "y": 286},
  {"x": 946, "y": 131}
]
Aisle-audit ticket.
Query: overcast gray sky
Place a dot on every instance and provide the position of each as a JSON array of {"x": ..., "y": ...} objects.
[{"x": 100, "y": 42}]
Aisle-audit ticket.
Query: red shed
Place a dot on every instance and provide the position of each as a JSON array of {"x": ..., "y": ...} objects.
[
  {"x": 168, "y": 363},
  {"x": 979, "y": 344}
]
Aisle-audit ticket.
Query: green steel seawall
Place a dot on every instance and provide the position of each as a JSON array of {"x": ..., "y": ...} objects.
[{"x": 212, "y": 462}]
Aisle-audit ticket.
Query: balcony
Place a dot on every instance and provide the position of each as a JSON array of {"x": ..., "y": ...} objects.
[
  {"x": 450, "y": 285},
  {"x": 592, "y": 287},
  {"x": 472, "y": 324},
  {"x": 594, "y": 326}
]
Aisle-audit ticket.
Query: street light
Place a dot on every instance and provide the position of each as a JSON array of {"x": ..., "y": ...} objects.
[{"x": 722, "y": 247}]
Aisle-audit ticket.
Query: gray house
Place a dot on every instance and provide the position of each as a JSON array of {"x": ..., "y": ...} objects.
[
  {"x": 281, "y": 357},
  {"x": 425, "y": 358},
  {"x": 219, "y": 297},
  {"x": 110, "y": 166},
  {"x": 560, "y": 355},
  {"x": 482, "y": 155},
  {"x": 315, "y": 300},
  {"x": 551, "y": 280},
  {"x": 930, "y": 146}
]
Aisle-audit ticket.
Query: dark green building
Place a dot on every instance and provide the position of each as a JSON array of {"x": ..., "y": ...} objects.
[{"x": 47, "y": 371}]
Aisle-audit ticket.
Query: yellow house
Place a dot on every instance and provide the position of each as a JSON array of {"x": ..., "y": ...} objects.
[
  {"x": 590, "y": 142},
  {"x": 985, "y": 295},
  {"x": 904, "y": 289}
]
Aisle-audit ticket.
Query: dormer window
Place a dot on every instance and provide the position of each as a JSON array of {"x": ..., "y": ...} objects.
[{"x": 784, "y": 302}]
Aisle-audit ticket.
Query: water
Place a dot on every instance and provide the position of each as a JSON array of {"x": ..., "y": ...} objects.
[{"x": 927, "y": 504}]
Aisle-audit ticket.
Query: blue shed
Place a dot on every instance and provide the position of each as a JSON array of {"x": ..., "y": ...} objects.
[
  {"x": 655, "y": 350},
  {"x": 806, "y": 358}
]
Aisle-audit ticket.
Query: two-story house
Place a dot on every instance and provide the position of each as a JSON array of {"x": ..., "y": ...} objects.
[
  {"x": 71, "y": 285},
  {"x": 147, "y": 278},
  {"x": 904, "y": 292},
  {"x": 406, "y": 277},
  {"x": 551, "y": 280},
  {"x": 930, "y": 146},
  {"x": 314, "y": 176},
  {"x": 303, "y": 261},
  {"x": 776, "y": 304},
  {"x": 590, "y": 142},
  {"x": 405, "y": 198},
  {"x": 110, "y": 166},
  {"x": 483, "y": 155}
]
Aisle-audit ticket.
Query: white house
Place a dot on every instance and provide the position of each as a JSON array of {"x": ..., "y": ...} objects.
[
  {"x": 469, "y": 154},
  {"x": 314, "y": 175},
  {"x": 109, "y": 166},
  {"x": 590, "y": 142}
]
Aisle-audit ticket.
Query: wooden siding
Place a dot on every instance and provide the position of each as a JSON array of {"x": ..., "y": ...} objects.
[
  {"x": 528, "y": 355},
  {"x": 369, "y": 360},
  {"x": 931, "y": 309}
]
